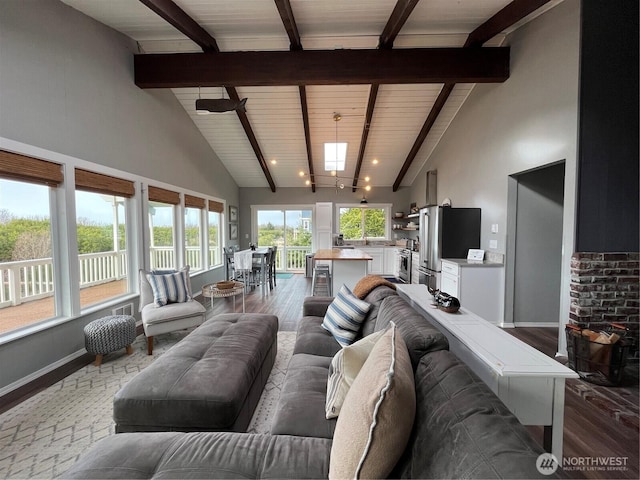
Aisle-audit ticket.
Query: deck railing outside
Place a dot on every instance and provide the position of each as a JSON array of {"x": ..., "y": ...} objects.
[
  {"x": 27, "y": 280},
  {"x": 296, "y": 258}
]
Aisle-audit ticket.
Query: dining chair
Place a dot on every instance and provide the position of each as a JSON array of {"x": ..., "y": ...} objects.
[
  {"x": 258, "y": 273},
  {"x": 272, "y": 265},
  {"x": 228, "y": 260}
]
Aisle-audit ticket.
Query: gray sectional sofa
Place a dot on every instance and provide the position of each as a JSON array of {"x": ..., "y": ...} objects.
[{"x": 461, "y": 429}]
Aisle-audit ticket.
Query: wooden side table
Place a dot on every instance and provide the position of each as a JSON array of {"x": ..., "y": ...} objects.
[{"x": 210, "y": 290}]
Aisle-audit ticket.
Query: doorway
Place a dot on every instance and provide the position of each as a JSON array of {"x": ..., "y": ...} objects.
[
  {"x": 534, "y": 246},
  {"x": 290, "y": 229}
]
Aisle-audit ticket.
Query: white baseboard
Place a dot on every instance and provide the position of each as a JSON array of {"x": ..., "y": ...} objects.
[
  {"x": 536, "y": 324},
  {"x": 43, "y": 371}
]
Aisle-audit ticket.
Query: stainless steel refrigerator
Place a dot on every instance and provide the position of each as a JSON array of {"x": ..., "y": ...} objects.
[{"x": 445, "y": 232}]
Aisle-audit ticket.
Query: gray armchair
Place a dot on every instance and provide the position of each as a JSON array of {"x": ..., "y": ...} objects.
[{"x": 168, "y": 318}]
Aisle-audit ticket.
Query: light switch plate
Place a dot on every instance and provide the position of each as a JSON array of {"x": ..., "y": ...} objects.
[
  {"x": 475, "y": 254},
  {"x": 493, "y": 243}
]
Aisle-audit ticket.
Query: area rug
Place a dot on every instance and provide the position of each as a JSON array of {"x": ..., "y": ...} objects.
[
  {"x": 284, "y": 275},
  {"x": 45, "y": 435}
]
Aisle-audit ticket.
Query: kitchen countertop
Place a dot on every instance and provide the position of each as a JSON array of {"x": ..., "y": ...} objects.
[
  {"x": 463, "y": 262},
  {"x": 341, "y": 254}
]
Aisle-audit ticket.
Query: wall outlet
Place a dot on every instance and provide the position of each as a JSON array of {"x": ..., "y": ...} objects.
[
  {"x": 494, "y": 228},
  {"x": 246, "y": 235},
  {"x": 493, "y": 243}
]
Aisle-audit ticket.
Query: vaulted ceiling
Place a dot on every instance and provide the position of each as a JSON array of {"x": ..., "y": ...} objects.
[{"x": 397, "y": 72}]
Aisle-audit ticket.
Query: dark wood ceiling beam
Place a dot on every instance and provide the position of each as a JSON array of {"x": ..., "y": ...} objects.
[
  {"x": 396, "y": 21},
  {"x": 322, "y": 67},
  {"x": 373, "y": 95},
  {"x": 509, "y": 15},
  {"x": 289, "y": 23},
  {"x": 424, "y": 131},
  {"x": 307, "y": 135},
  {"x": 177, "y": 17},
  {"x": 295, "y": 44}
]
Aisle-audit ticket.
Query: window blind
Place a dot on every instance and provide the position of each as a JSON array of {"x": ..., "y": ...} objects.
[
  {"x": 216, "y": 206},
  {"x": 104, "y": 184},
  {"x": 157, "y": 194},
  {"x": 14, "y": 166},
  {"x": 193, "y": 202}
]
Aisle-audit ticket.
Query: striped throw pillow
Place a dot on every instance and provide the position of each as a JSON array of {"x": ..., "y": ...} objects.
[
  {"x": 169, "y": 288},
  {"x": 344, "y": 316}
]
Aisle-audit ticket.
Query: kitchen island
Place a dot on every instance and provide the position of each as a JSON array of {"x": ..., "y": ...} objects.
[{"x": 348, "y": 265}]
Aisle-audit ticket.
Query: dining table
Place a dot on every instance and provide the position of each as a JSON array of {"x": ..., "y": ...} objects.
[{"x": 243, "y": 262}]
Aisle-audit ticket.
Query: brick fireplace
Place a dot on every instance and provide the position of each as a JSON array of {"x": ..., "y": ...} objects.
[{"x": 605, "y": 288}]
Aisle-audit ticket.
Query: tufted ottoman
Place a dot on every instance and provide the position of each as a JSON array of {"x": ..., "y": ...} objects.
[
  {"x": 109, "y": 334},
  {"x": 210, "y": 381}
]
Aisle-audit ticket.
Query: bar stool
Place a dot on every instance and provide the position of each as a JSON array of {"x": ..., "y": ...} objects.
[{"x": 321, "y": 281}]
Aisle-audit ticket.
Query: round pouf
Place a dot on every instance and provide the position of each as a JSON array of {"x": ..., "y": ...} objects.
[{"x": 108, "y": 334}]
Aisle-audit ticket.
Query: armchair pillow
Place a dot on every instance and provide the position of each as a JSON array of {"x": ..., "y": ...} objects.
[
  {"x": 344, "y": 368},
  {"x": 375, "y": 423},
  {"x": 344, "y": 316},
  {"x": 170, "y": 287}
]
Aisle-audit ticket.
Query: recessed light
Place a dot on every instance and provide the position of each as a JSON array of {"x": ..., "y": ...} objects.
[
  {"x": 366, "y": 179},
  {"x": 367, "y": 188},
  {"x": 301, "y": 173},
  {"x": 274, "y": 161},
  {"x": 375, "y": 161},
  {"x": 308, "y": 182}
]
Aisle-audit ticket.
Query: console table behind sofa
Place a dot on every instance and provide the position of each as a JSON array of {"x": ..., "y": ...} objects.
[{"x": 530, "y": 383}]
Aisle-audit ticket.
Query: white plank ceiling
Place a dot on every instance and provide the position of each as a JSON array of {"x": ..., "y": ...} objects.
[{"x": 275, "y": 113}]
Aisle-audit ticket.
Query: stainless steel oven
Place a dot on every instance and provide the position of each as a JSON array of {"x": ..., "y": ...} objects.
[{"x": 404, "y": 272}]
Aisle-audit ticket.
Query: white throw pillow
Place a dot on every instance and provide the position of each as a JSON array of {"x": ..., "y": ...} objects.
[
  {"x": 344, "y": 316},
  {"x": 343, "y": 370}
]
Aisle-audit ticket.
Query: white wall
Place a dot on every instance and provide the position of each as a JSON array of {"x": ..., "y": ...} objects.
[
  {"x": 66, "y": 86},
  {"x": 526, "y": 122}
]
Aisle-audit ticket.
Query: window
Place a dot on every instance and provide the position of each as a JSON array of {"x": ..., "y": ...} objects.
[
  {"x": 162, "y": 228},
  {"x": 27, "y": 282},
  {"x": 102, "y": 247},
  {"x": 215, "y": 234},
  {"x": 193, "y": 232},
  {"x": 26, "y": 264},
  {"x": 359, "y": 223},
  {"x": 101, "y": 224}
]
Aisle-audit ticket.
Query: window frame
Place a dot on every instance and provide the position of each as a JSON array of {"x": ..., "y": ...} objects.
[{"x": 386, "y": 207}]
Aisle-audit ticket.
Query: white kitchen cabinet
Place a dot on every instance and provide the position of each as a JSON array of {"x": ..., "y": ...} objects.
[
  {"x": 478, "y": 286},
  {"x": 376, "y": 266},
  {"x": 323, "y": 226},
  {"x": 391, "y": 261},
  {"x": 415, "y": 263}
]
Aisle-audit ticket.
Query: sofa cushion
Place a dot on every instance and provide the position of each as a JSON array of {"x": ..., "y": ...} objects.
[
  {"x": 171, "y": 312},
  {"x": 420, "y": 336},
  {"x": 466, "y": 430},
  {"x": 315, "y": 340},
  {"x": 377, "y": 416},
  {"x": 302, "y": 398},
  {"x": 203, "y": 455},
  {"x": 375, "y": 298},
  {"x": 344, "y": 316},
  {"x": 345, "y": 366}
]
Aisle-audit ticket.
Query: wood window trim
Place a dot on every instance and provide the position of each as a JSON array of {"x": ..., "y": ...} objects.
[
  {"x": 104, "y": 184},
  {"x": 157, "y": 194},
  {"x": 14, "y": 166}
]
